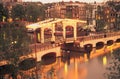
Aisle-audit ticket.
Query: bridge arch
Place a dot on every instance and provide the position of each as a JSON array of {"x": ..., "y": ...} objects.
[
  {"x": 110, "y": 42},
  {"x": 33, "y": 33},
  {"x": 58, "y": 29},
  {"x": 49, "y": 58},
  {"x": 99, "y": 45},
  {"x": 48, "y": 31},
  {"x": 88, "y": 47},
  {"x": 49, "y": 55},
  {"x": 117, "y": 40},
  {"x": 6, "y": 69},
  {"x": 47, "y": 34},
  {"x": 27, "y": 64},
  {"x": 69, "y": 31}
]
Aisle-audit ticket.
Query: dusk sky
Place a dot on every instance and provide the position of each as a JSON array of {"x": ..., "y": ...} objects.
[{"x": 49, "y": 1}]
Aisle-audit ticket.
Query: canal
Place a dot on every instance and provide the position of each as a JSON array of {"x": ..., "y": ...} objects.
[
  {"x": 76, "y": 65},
  {"x": 72, "y": 65}
]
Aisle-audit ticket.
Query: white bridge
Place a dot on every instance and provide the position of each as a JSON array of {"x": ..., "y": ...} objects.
[{"x": 50, "y": 40}]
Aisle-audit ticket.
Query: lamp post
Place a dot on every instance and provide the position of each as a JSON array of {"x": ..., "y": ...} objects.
[{"x": 35, "y": 54}]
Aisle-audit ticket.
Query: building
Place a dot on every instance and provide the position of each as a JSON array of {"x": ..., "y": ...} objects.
[
  {"x": 106, "y": 15},
  {"x": 76, "y": 10},
  {"x": 4, "y": 1}
]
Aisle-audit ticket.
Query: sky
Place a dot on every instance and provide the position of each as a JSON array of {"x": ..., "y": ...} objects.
[{"x": 49, "y": 1}]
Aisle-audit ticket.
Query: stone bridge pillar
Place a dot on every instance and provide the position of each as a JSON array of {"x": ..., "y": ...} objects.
[
  {"x": 75, "y": 31},
  {"x": 94, "y": 48},
  {"x": 64, "y": 31},
  {"x": 53, "y": 33},
  {"x": 42, "y": 35}
]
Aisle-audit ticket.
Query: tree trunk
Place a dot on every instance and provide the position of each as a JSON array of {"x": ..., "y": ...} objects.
[
  {"x": 14, "y": 76},
  {"x": 1, "y": 77}
]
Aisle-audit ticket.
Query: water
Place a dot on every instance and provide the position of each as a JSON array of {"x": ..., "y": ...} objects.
[{"x": 75, "y": 65}]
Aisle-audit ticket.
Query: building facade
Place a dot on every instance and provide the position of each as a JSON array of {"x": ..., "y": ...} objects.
[
  {"x": 4, "y": 1},
  {"x": 75, "y": 10},
  {"x": 107, "y": 15}
]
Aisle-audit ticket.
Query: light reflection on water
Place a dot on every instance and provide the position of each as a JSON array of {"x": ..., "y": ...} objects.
[
  {"x": 92, "y": 69},
  {"x": 104, "y": 60},
  {"x": 77, "y": 66},
  {"x": 75, "y": 69}
]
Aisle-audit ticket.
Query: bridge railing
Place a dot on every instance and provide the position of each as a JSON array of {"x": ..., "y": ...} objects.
[
  {"x": 113, "y": 34},
  {"x": 46, "y": 46},
  {"x": 98, "y": 36},
  {"x": 42, "y": 47},
  {"x": 87, "y": 38},
  {"x": 69, "y": 39}
]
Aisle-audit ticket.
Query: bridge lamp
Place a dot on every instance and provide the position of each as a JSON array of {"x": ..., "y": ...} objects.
[{"x": 35, "y": 53}]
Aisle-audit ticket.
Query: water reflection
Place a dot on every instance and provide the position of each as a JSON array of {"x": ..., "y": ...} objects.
[
  {"x": 104, "y": 60},
  {"x": 66, "y": 68},
  {"x": 77, "y": 69},
  {"x": 75, "y": 65}
]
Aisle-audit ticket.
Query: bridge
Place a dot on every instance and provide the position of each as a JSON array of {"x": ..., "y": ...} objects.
[
  {"x": 53, "y": 28},
  {"x": 49, "y": 35},
  {"x": 93, "y": 42}
]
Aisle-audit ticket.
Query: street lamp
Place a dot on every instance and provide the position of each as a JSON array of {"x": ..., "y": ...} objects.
[{"x": 35, "y": 54}]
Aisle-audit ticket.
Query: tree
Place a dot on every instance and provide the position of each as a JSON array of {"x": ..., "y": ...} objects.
[
  {"x": 42, "y": 12},
  {"x": 114, "y": 66},
  {"x": 32, "y": 12},
  {"x": 14, "y": 42},
  {"x": 18, "y": 12},
  {"x": 3, "y": 13}
]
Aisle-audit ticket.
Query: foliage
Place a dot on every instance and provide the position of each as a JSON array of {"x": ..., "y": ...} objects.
[
  {"x": 18, "y": 12},
  {"x": 3, "y": 12},
  {"x": 13, "y": 43},
  {"x": 13, "y": 40},
  {"x": 42, "y": 12},
  {"x": 33, "y": 12},
  {"x": 114, "y": 66}
]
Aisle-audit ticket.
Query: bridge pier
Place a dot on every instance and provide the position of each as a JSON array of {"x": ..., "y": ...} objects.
[
  {"x": 56, "y": 50},
  {"x": 53, "y": 32},
  {"x": 64, "y": 32},
  {"x": 42, "y": 35},
  {"x": 104, "y": 48},
  {"x": 94, "y": 49},
  {"x": 75, "y": 32}
]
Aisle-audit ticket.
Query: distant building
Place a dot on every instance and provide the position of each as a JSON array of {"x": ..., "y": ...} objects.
[
  {"x": 76, "y": 10},
  {"x": 107, "y": 15},
  {"x": 4, "y": 1}
]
